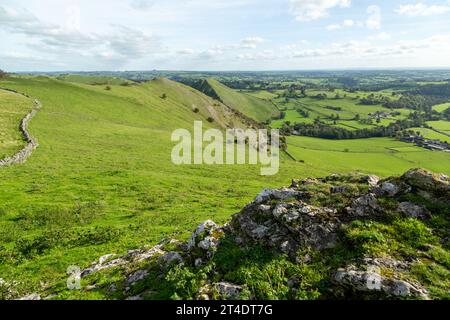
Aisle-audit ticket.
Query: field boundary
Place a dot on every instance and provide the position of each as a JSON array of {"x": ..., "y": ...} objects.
[{"x": 32, "y": 143}]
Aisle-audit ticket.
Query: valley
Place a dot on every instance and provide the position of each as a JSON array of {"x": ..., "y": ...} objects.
[{"x": 102, "y": 180}]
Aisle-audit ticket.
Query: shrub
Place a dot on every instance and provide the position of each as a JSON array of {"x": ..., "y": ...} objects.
[{"x": 210, "y": 119}]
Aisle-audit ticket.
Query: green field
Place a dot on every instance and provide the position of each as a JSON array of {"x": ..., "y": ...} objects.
[
  {"x": 379, "y": 155},
  {"x": 346, "y": 108},
  {"x": 443, "y": 126},
  {"x": 431, "y": 134},
  {"x": 13, "y": 107},
  {"x": 441, "y": 107}
]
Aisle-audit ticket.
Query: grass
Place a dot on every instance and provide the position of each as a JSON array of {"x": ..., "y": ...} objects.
[
  {"x": 108, "y": 153},
  {"x": 443, "y": 126},
  {"x": 441, "y": 107},
  {"x": 253, "y": 107},
  {"x": 94, "y": 80},
  {"x": 431, "y": 134},
  {"x": 13, "y": 107},
  {"x": 383, "y": 156},
  {"x": 102, "y": 180}
]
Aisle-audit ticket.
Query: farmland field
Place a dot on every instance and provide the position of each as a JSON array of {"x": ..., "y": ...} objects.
[{"x": 13, "y": 108}]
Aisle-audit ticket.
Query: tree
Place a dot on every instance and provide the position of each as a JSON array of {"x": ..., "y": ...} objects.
[{"x": 3, "y": 74}]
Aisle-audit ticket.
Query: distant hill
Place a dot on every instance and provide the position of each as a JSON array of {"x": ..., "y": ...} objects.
[
  {"x": 253, "y": 107},
  {"x": 97, "y": 80}
]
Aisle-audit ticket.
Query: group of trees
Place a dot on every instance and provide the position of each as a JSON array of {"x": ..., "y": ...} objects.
[
  {"x": 3, "y": 74},
  {"x": 436, "y": 90},
  {"x": 446, "y": 114},
  {"x": 373, "y": 99},
  {"x": 320, "y": 130},
  {"x": 415, "y": 102},
  {"x": 304, "y": 113}
]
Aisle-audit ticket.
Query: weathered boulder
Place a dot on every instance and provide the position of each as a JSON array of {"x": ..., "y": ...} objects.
[
  {"x": 290, "y": 225},
  {"x": 227, "y": 290},
  {"x": 412, "y": 210},
  {"x": 205, "y": 238},
  {"x": 170, "y": 258},
  {"x": 364, "y": 206},
  {"x": 370, "y": 280},
  {"x": 275, "y": 194},
  {"x": 426, "y": 180},
  {"x": 136, "y": 276}
]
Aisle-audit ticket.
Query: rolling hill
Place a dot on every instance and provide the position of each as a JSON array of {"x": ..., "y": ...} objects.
[
  {"x": 102, "y": 180},
  {"x": 251, "y": 106}
]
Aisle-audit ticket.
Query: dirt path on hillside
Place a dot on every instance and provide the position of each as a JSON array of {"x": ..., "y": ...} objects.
[{"x": 32, "y": 143}]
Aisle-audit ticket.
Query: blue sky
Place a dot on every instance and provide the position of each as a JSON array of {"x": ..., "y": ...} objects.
[{"x": 55, "y": 35}]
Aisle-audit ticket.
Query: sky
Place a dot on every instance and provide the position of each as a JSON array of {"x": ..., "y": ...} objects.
[{"x": 92, "y": 35}]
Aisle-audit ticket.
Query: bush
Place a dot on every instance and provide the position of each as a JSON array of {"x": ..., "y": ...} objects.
[{"x": 210, "y": 119}]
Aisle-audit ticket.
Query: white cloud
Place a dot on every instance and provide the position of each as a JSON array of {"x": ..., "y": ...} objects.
[
  {"x": 251, "y": 42},
  {"x": 348, "y": 23},
  {"x": 142, "y": 4},
  {"x": 374, "y": 19},
  {"x": 421, "y": 9},
  {"x": 120, "y": 43},
  {"x": 186, "y": 51},
  {"x": 345, "y": 24},
  {"x": 332, "y": 27},
  {"x": 73, "y": 19},
  {"x": 381, "y": 36},
  {"x": 308, "y": 10}
]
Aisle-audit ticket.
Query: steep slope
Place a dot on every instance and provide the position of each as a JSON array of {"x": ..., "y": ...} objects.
[
  {"x": 179, "y": 99},
  {"x": 253, "y": 107},
  {"x": 102, "y": 179}
]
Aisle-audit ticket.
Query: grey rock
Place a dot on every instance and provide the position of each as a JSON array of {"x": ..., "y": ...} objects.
[
  {"x": 413, "y": 211},
  {"x": 371, "y": 280},
  {"x": 228, "y": 290},
  {"x": 426, "y": 180},
  {"x": 171, "y": 258},
  {"x": 136, "y": 276},
  {"x": 260, "y": 232},
  {"x": 32, "y": 296}
]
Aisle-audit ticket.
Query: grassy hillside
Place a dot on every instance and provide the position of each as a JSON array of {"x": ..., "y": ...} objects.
[
  {"x": 251, "y": 106},
  {"x": 102, "y": 180},
  {"x": 13, "y": 107}
]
